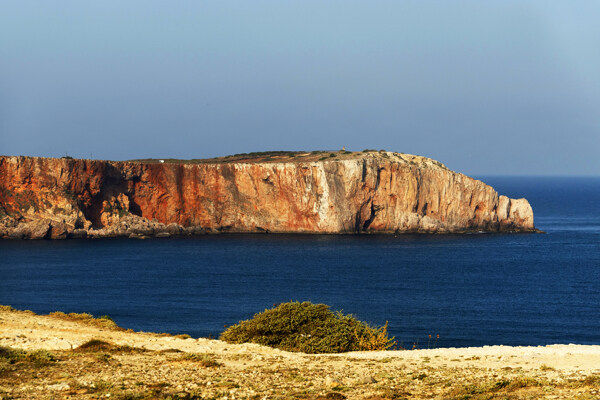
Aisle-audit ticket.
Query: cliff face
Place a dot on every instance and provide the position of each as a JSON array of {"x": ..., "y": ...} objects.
[{"x": 360, "y": 192}]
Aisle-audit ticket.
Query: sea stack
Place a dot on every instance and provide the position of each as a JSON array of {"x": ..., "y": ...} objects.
[{"x": 317, "y": 192}]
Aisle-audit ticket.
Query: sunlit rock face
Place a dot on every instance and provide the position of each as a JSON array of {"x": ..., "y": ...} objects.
[{"x": 372, "y": 192}]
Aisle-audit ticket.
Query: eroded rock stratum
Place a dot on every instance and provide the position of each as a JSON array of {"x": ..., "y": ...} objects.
[{"x": 369, "y": 192}]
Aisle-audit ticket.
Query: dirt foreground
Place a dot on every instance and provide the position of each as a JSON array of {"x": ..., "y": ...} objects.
[{"x": 137, "y": 365}]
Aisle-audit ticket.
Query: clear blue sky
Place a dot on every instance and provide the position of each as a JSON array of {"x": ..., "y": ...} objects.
[{"x": 486, "y": 87}]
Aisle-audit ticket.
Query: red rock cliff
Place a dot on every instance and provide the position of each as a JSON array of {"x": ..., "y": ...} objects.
[{"x": 359, "y": 192}]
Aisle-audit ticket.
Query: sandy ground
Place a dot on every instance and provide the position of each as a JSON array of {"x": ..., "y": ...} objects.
[{"x": 166, "y": 368}]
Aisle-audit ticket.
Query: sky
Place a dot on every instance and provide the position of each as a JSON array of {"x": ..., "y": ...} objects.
[{"x": 486, "y": 87}]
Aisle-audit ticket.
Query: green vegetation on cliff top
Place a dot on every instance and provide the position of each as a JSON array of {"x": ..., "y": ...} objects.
[{"x": 267, "y": 156}]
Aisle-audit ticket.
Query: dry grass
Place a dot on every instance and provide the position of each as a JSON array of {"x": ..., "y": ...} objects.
[
  {"x": 160, "y": 374},
  {"x": 176, "y": 368},
  {"x": 375, "y": 339},
  {"x": 96, "y": 345},
  {"x": 206, "y": 360},
  {"x": 102, "y": 322}
]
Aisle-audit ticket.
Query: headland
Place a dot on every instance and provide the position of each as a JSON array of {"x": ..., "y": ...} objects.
[{"x": 278, "y": 192}]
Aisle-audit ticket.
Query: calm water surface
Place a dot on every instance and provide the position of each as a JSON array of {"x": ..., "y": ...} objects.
[{"x": 513, "y": 289}]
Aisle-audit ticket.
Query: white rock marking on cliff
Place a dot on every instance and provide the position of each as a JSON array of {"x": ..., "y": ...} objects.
[
  {"x": 521, "y": 213},
  {"x": 306, "y": 197},
  {"x": 323, "y": 201},
  {"x": 503, "y": 208},
  {"x": 353, "y": 170}
]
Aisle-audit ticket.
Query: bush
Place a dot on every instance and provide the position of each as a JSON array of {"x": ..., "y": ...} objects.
[
  {"x": 308, "y": 328},
  {"x": 97, "y": 345},
  {"x": 12, "y": 355},
  {"x": 36, "y": 357},
  {"x": 103, "y": 322}
]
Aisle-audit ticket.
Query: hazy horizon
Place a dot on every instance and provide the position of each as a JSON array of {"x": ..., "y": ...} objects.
[{"x": 497, "y": 88}]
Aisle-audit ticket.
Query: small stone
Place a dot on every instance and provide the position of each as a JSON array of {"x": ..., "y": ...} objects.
[
  {"x": 59, "y": 386},
  {"x": 367, "y": 379},
  {"x": 39, "y": 229},
  {"x": 59, "y": 230},
  {"x": 332, "y": 382},
  {"x": 79, "y": 234},
  {"x": 137, "y": 236},
  {"x": 174, "y": 229}
]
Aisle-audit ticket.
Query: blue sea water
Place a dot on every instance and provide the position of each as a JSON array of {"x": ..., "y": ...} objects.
[{"x": 471, "y": 290}]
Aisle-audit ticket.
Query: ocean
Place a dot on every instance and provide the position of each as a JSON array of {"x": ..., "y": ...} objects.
[{"x": 471, "y": 290}]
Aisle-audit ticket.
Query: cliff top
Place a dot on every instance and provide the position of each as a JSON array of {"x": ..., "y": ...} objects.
[
  {"x": 301, "y": 156},
  {"x": 263, "y": 157}
]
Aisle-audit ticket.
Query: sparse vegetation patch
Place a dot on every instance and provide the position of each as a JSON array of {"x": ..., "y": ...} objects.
[
  {"x": 36, "y": 358},
  {"x": 209, "y": 369},
  {"x": 206, "y": 360},
  {"x": 104, "y": 321},
  {"x": 96, "y": 345}
]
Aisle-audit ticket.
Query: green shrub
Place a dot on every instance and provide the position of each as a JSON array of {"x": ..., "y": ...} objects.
[
  {"x": 97, "y": 345},
  {"x": 36, "y": 357},
  {"x": 308, "y": 328},
  {"x": 182, "y": 336},
  {"x": 12, "y": 355},
  {"x": 41, "y": 357},
  {"x": 103, "y": 322}
]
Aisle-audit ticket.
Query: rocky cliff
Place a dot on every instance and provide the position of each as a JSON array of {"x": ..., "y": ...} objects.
[{"x": 345, "y": 193}]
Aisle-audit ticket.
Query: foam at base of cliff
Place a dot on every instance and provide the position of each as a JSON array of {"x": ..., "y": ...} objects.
[{"x": 349, "y": 193}]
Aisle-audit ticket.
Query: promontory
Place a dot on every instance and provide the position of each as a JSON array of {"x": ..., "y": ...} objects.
[{"x": 279, "y": 192}]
